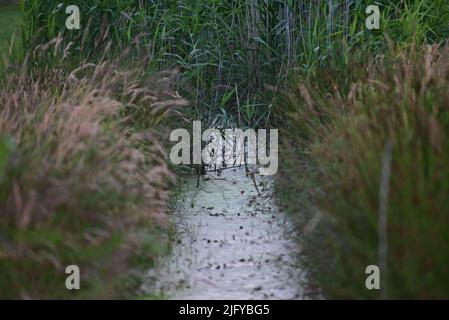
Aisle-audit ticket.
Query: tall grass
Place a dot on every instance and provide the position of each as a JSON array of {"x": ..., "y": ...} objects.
[
  {"x": 102, "y": 21},
  {"x": 231, "y": 51},
  {"x": 342, "y": 132},
  {"x": 355, "y": 91},
  {"x": 80, "y": 183}
]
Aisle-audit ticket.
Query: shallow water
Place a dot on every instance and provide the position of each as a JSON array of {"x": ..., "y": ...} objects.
[{"x": 231, "y": 244}]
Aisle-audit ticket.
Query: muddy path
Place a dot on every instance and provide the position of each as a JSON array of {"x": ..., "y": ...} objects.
[{"x": 231, "y": 244}]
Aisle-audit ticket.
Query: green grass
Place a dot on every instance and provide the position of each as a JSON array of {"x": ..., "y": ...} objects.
[
  {"x": 9, "y": 23},
  {"x": 333, "y": 156},
  {"x": 78, "y": 184},
  {"x": 231, "y": 52}
]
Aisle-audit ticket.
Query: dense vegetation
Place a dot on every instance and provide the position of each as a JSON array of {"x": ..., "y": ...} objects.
[
  {"x": 399, "y": 100},
  {"x": 385, "y": 98},
  {"x": 339, "y": 92},
  {"x": 83, "y": 175}
]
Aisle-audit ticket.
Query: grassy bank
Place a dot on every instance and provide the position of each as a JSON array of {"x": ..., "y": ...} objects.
[
  {"x": 370, "y": 91},
  {"x": 340, "y": 121},
  {"x": 334, "y": 153},
  {"x": 79, "y": 184},
  {"x": 83, "y": 175}
]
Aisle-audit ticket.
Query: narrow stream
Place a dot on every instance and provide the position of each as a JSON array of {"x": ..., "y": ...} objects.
[{"x": 231, "y": 244}]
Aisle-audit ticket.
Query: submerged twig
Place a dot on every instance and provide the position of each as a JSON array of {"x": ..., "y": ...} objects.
[{"x": 253, "y": 177}]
